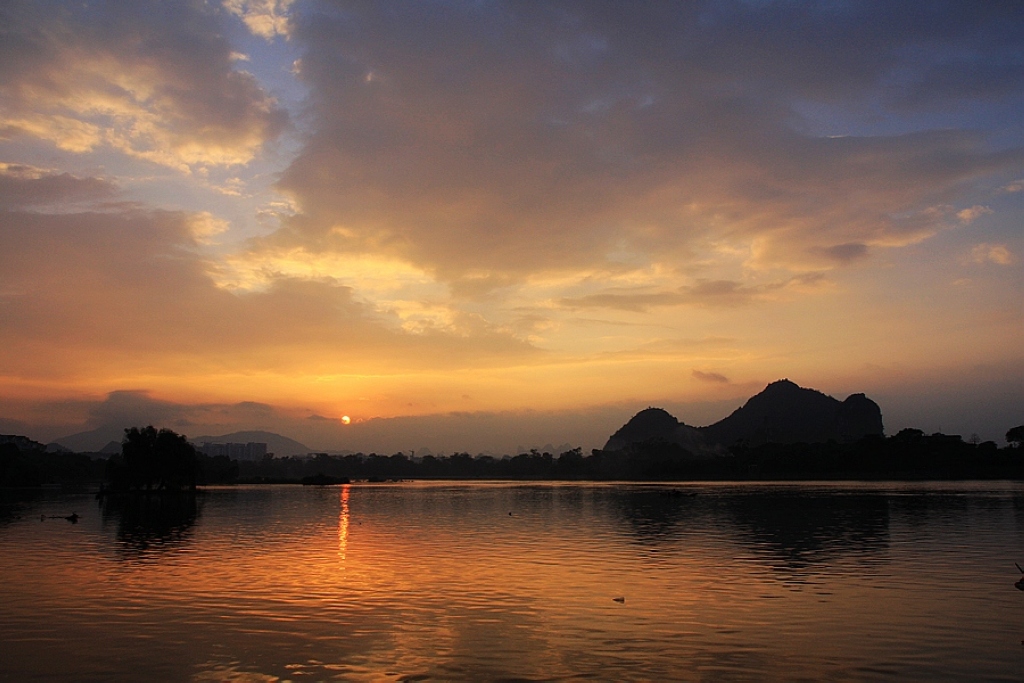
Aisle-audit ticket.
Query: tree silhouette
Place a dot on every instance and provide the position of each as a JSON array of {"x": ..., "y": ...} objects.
[
  {"x": 1015, "y": 435},
  {"x": 154, "y": 460}
]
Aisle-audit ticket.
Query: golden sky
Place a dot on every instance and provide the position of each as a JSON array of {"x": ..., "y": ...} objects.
[{"x": 484, "y": 225}]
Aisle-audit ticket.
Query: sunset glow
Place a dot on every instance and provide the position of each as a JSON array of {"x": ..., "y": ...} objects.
[{"x": 483, "y": 226}]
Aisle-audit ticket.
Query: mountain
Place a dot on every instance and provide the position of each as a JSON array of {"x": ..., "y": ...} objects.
[
  {"x": 22, "y": 443},
  {"x": 546, "y": 448},
  {"x": 112, "y": 448},
  {"x": 93, "y": 441},
  {"x": 858, "y": 416},
  {"x": 107, "y": 439},
  {"x": 783, "y": 413},
  {"x": 787, "y": 413},
  {"x": 280, "y": 446},
  {"x": 655, "y": 424}
]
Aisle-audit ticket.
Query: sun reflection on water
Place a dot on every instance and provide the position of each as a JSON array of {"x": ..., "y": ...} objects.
[{"x": 343, "y": 523}]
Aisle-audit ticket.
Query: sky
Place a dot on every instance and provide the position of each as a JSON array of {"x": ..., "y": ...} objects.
[{"x": 480, "y": 226}]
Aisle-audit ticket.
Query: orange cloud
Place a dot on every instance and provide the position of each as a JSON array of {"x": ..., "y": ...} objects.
[
  {"x": 158, "y": 86},
  {"x": 992, "y": 253}
]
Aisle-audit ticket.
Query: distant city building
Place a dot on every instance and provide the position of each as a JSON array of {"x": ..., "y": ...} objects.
[{"x": 235, "y": 451}]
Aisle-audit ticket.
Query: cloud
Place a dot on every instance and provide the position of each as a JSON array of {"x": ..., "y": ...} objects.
[
  {"x": 712, "y": 377},
  {"x": 552, "y": 139},
  {"x": 969, "y": 215},
  {"x": 999, "y": 254},
  {"x": 845, "y": 253},
  {"x": 152, "y": 80},
  {"x": 132, "y": 408},
  {"x": 265, "y": 18},
  {"x": 205, "y": 226},
  {"x": 703, "y": 293},
  {"x": 24, "y": 186},
  {"x": 128, "y": 291}
]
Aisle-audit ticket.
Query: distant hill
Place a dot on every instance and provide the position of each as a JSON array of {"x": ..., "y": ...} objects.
[
  {"x": 107, "y": 440},
  {"x": 93, "y": 441},
  {"x": 22, "y": 443},
  {"x": 546, "y": 448},
  {"x": 280, "y": 446},
  {"x": 783, "y": 413},
  {"x": 657, "y": 424}
]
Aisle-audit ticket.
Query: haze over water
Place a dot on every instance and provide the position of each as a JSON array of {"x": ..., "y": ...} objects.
[{"x": 518, "y": 581}]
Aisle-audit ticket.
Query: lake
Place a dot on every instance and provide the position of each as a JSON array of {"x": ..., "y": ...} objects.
[{"x": 513, "y": 581}]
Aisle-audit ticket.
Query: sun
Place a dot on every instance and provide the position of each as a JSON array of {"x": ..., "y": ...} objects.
[{"x": 345, "y": 419}]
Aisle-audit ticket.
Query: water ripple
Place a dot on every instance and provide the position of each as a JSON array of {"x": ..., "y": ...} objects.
[{"x": 438, "y": 581}]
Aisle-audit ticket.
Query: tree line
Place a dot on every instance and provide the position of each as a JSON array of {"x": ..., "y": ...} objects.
[
  {"x": 910, "y": 454},
  {"x": 151, "y": 460},
  {"x": 160, "y": 460}
]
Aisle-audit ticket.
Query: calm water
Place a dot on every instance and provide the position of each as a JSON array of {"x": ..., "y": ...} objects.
[{"x": 511, "y": 581}]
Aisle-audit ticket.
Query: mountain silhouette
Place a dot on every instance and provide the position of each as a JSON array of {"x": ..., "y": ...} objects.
[
  {"x": 95, "y": 440},
  {"x": 107, "y": 440},
  {"x": 787, "y": 413},
  {"x": 858, "y": 416},
  {"x": 782, "y": 413},
  {"x": 655, "y": 424},
  {"x": 281, "y": 446}
]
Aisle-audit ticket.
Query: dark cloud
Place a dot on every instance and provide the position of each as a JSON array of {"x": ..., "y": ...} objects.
[
  {"x": 129, "y": 408},
  {"x": 713, "y": 377},
  {"x": 845, "y": 253},
  {"x": 705, "y": 293},
  {"x": 23, "y": 186}
]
